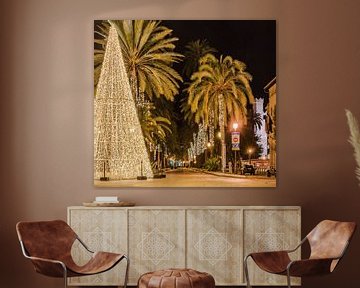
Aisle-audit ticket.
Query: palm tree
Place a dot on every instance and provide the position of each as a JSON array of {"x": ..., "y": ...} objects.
[
  {"x": 220, "y": 86},
  {"x": 101, "y": 35},
  {"x": 155, "y": 128},
  {"x": 195, "y": 50},
  {"x": 148, "y": 51},
  {"x": 148, "y": 55}
]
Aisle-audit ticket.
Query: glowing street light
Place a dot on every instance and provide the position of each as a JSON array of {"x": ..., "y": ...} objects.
[
  {"x": 235, "y": 136},
  {"x": 250, "y": 151}
]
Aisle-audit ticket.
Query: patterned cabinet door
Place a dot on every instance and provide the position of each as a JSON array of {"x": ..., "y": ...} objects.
[
  {"x": 269, "y": 230},
  {"x": 101, "y": 230},
  {"x": 214, "y": 244},
  {"x": 156, "y": 240}
]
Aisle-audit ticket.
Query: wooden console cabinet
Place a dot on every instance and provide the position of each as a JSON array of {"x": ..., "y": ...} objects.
[{"x": 211, "y": 239}]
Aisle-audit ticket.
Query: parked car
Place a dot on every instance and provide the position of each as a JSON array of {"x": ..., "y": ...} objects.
[
  {"x": 271, "y": 172},
  {"x": 249, "y": 169}
]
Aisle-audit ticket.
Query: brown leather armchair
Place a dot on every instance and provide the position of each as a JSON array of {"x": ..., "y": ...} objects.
[
  {"x": 328, "y": 242},
  {"x": 48, "y": 245}
]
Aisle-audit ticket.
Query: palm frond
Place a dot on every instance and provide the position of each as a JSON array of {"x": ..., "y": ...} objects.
[
  {"x": 223, "y": 76},
  {"x": 354, "y": 140},
  {"x": 194, "y": 51},
  {"x": 148, "y": 52},
  {"x": 138, "y": 28}
]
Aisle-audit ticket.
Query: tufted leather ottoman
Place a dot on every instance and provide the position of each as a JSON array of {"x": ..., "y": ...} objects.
[{"x": 176, "y": 278}]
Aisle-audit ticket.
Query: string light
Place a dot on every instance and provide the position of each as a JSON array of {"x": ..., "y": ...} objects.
[
  {"x": 221, "y": 110},
  {"x": 194, "y": 143},
  {"x": 198, "y": 140},
  {"x": 193, "y": 150},
  {"x": 118, "y": 138},
  {"x": 190, "y": 156},
  {"x": 211, "y": 128}
]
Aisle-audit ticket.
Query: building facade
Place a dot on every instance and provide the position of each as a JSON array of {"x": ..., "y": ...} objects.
[
  {"x": 260, "y": 131},
  {"x": 270, "y": 109}
]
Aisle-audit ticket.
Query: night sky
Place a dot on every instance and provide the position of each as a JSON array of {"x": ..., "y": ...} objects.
[{"x": 250, "y": 41}]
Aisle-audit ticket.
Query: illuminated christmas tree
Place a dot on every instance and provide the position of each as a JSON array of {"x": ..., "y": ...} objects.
[{"x": 119, "y": 145}]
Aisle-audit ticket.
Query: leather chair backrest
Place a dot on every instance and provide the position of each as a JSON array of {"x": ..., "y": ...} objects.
[
  {"x": 329, "y": 239},
  {"x": 46, "y": 239}
]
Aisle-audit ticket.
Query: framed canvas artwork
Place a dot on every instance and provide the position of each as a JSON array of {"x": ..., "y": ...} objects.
[{"x": 185, "y": 103}]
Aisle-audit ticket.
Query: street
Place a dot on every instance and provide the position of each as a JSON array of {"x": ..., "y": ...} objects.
[{"x": 191, "y": 178}]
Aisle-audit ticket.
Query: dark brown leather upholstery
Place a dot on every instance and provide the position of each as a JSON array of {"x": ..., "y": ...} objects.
[
  {"x": 53, "y": 240},
  {"x": 329, "y": 238},
  {"x": 328, "y": 242},
  {"x": 176, "y": 278},
  {"x": 272, "y": 262}
]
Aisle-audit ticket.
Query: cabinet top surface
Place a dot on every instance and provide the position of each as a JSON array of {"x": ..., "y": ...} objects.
[{"x": 193, "y": 207}]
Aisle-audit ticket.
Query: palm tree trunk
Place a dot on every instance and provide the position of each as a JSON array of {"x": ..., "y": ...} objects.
[
  {"x": 134, "y": 87},
  {"x": 222, "y": 131},
  {"x": 223, "y": 147}
]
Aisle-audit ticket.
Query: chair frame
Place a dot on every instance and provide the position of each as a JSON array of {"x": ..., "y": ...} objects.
[
  {"x": 246, "y": 270},
  {"x": 26, "y": 255}
]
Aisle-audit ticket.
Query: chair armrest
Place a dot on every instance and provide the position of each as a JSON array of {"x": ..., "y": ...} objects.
[
  {"x": 45, "y": 260},
  {"x": 281, "y": 251},
  {"x": 309, "y": 267},
  {"x": 84, "y": 245},
  {"x": 268, "y": 253}
]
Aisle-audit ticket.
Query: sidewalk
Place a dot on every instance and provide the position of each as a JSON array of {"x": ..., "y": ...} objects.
[{"x": 221, "y": 174}]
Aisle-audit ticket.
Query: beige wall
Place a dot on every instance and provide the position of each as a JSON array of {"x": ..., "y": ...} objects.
[{"x": 46, "y": 115}]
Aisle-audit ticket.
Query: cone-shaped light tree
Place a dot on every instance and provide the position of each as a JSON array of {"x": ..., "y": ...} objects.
[{"x": 118, "y": 138}]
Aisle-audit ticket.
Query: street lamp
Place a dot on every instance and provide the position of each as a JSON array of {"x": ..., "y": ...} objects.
[
  {"x": 250, "y": 151},
  {"x": 235, "y": 125}
]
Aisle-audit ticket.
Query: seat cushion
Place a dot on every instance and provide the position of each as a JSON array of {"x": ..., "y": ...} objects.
[
  {"x": 272, "y": 262},
  {"x": 98, "y": 263},
  {"x": 176, "y": 278}
]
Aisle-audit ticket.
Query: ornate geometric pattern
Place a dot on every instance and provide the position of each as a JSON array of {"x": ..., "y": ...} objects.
[
  {"x": 269, "y": 241},
  {"x": 101, "y": 230},
  {"x": 209, "y": 239},
  {"x": 98, "y": 240},
  {"x": 213, "y": 246},
  {"x": 214, "y": 243},
  {"x": 156, "y": 246},
  {"x": 156, "y": 241},
  {"x": 270, "y": 230},
  {"x": 213, "y": 212}
]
